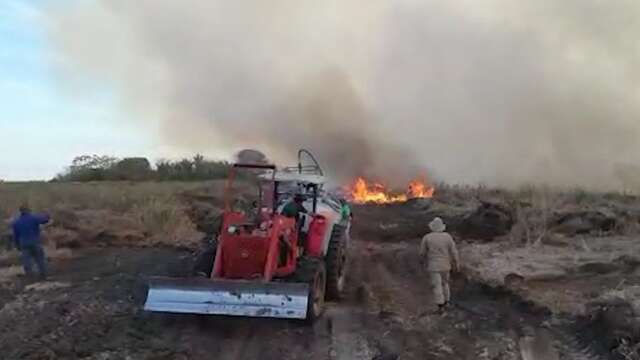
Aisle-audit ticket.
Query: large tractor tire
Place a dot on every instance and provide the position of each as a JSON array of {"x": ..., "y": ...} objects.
[
  {"x": 313, "y": 272},
  {"x": 203, "y": 265},
  {"x": 336, "y": 261}
]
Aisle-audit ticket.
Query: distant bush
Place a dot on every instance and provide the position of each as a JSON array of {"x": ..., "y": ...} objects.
[
  {"x": 135, "y": 169},
  {"x": 106, "y": 168}
]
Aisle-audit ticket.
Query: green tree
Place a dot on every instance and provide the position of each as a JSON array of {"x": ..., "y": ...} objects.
[
  {"x": 97, "y": 168},
  {"x": 88, "y": 168}
]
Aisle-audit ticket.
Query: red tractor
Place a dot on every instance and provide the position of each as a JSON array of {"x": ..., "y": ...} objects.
[{"x": 264, "y": 263}]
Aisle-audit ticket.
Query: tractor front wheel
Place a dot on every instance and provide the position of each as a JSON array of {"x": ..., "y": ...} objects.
[
  {"x": 204, "y": 261},
  {"x": 313, "y": 272},
  {"x": 317, "y": 287}
]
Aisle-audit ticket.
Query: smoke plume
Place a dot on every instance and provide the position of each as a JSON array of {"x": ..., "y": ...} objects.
[{"x": 494, "y": 91}]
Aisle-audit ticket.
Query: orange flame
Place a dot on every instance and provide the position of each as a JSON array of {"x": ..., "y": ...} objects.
[
  {"x": 364, "y": 192},
  {"x": 418, "y": 189}
]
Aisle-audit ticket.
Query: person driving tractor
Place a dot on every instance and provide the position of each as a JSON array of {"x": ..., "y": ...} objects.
[{"x": 295, "y": 207}]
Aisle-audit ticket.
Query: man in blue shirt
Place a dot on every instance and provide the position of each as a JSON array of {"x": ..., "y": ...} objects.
[{"x": 26, "y": 234}]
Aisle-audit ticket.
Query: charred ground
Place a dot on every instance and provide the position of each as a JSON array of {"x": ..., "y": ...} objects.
[{"x": 90, "y": 308}]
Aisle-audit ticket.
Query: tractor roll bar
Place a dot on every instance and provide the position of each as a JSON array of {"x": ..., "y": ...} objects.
[{"x": 315, "y": 167}]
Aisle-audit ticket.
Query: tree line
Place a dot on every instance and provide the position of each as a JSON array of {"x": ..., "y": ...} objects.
[{"x": 107, "y": 168}]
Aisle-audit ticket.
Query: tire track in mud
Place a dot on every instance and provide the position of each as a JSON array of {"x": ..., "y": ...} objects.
[
  {"x": 247, "y": 338},
  {"x": 400, "y": 303},
  {"x": 485, "y": 325}
]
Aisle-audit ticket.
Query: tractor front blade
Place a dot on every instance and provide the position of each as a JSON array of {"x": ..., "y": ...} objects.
[{"x": 228, "y": 297}]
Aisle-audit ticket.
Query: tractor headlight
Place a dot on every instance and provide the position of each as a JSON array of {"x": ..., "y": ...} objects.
[{"x": 232, "y": 229}]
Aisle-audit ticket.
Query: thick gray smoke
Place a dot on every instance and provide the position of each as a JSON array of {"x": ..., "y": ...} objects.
[{"x": 494, "y": 91}]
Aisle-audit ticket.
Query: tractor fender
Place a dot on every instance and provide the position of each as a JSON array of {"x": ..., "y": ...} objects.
[
  {"x": 315, "y": 244},
  {"x": 332, "y": 220},
  {"x": 320, "y": 231}
]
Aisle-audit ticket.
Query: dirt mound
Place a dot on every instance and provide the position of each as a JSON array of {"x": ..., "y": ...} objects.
[
  {"x": 388, "y": 223},
  {"x": 584, "y": 221},
  {"x": 398, "y": 222},
  {"x": 529, "y": 216},
  {"x": 486, "y": 222}
]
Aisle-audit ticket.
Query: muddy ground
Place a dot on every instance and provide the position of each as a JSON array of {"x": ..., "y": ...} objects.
[{"x": 90, "y": 308}]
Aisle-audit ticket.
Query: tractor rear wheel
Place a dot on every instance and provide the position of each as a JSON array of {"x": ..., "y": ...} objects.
[
  {"x": 203, "y": 266},
  {"x": 336, "y": 263}
]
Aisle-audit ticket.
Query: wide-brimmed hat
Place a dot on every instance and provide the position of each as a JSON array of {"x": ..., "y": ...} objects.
[{"x": 437, "y": 225}]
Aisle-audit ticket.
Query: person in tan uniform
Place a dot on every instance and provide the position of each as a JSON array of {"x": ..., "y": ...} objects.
[{"x": 441, "y": 255}]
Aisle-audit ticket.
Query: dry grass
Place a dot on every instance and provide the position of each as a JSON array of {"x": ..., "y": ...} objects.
[
  {"x": 109, "y": 213},
  {"x": 533, "y": 215},
  {"x": 154, "y": 212},
  {"x": 116, "y": 196}
]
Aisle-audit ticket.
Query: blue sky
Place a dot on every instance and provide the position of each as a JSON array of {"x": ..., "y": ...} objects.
[{"x": 42, "y": 127}]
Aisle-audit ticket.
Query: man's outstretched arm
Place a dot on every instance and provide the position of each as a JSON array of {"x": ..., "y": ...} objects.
[{"x": 43, "y": 218}]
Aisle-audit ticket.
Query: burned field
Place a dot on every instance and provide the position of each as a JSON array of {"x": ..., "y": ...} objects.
[{"x": 545, "y": 276}]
